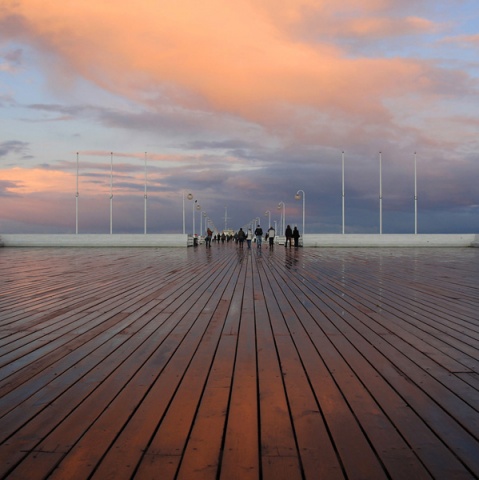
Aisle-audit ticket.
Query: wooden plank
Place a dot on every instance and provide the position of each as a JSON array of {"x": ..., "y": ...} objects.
[
  {"x": 426, "y": 408},
  {"x": 279, "y": 454},
  {"x": 165, "y": 450},
  {"x": 203, "y": 452},
  {"x": 106, "y": 387},
  {"x": 208, "y": 363},
  {"x": 241, "y": 459},
  {"x": 136, "y": 411}
]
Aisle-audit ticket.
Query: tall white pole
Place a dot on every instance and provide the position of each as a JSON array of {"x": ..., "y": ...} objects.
[
  {"x": 304, "y": 214},
  {"x": 194, "y": 205},
  {"x": 380, "y": 195},
  {"x": 184, "y": 223},
  {"x": 415, "y": 193},
  {"x": 342, "y": 170},
  {"x": 189, "y": 197},
  {"x": 304, "y": 205},
  {"x": 226, "y": 218},
  {"x": 76, "y": 201},
  {"x": 268, "y": 212},
  {"x": 280, "y": 218},
  {"x": 111, "y": 193},
  {"x": 146, "y": 195},
  {"x": 283, "y": 217}
]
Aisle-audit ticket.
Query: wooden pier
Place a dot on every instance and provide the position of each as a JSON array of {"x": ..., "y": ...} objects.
[{"x": 228, "y": 363}]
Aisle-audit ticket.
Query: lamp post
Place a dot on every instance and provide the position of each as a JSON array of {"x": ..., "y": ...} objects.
[
  {"x": 184, "y": 226},
  {"x": 198, "y": 207},
  {"x": 190, "y": 197},
  {"x": 268, "y": 213},
  {"x": 202, "y": 214},
  {"x": 283, "y": 216},
  {"x": 297, "y": 197},
  {"x": 206, "y": 220}
]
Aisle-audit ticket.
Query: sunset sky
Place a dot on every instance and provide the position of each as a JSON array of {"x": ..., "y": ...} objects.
[{"x": 242, "y": 104}]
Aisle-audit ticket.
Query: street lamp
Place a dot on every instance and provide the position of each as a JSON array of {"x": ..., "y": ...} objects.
[
  {"x": 198, "y": 207},
  {"x": 268, "y": 213},
  {"x": 202, "y": 215},
  {"x": 184, "y": 226},
  {"x": 189, "y": 197},
  {"x": 283, "y": 216},
  {"x": 297, "y": 197}
]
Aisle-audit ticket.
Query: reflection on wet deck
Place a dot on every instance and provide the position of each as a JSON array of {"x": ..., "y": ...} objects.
[{"x": 227, "y": 363}]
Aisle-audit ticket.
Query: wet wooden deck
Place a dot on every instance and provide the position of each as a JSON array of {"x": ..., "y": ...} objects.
[{"x": 233, "y": 364}]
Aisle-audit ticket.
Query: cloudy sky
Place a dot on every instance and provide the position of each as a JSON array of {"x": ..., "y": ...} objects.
[{"x": 242, "y": 104}]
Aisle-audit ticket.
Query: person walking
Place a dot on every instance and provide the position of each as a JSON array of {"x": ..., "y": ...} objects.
[
  {"x": 259, "y": 236},
  {"x": 289, "y": 235},
  {"x": 209, "y": 234},
  {"x": 271, "y": 234},
  {"x": 296, "y": 236},
  {"x": 249, "y": 237},
  {"x": 241, "y": 237}
]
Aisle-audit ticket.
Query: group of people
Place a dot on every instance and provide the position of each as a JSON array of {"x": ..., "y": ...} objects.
[{"x": 291, "y": 235}]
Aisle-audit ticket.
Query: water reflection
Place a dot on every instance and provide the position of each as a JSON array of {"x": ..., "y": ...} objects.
[{"x": 291, "y": 258}]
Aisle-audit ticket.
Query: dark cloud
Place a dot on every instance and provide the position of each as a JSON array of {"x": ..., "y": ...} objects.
[
  {"x": 14, "y": 147},
  {"x": 11, "y": 60},
  {"x": 229, "y": 145},
  {"x": 13, "y": 26},
  {"x": 7, "y": 188}
]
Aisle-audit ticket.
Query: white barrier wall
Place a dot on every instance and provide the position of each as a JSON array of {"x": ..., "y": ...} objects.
[
  {"x": 391, "y": 240},
  {"x": 94, "y": 240},
  {"x": 180, "y": 240}
]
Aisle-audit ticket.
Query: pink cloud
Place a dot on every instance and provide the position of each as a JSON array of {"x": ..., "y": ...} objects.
[
  {"x": 467, "y": 41},
  {"x": 227, "y": 57}
]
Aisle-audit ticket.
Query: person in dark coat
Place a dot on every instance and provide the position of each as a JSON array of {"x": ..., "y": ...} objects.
[
  {"x": 259, "y": 236},
  {"x": 241, "y": 237},
  {"x": 289, "y": 235},
  {"x": 296, "y": 236},
  {"x": 208, "y": 236}
]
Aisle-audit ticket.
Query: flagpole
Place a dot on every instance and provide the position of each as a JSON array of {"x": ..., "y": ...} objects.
[
  {"x": 146, "y": 195},
  {"x": 342, "y": 170},
  {"x": 184, "y": 225},
  {"x": 380, "y": 195},
  {"x": 415, "y": 193},
  {"x": 111, "y": 193},
  {"x": 76, "y": 201},
  {"x": 194, "y": 228}
]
